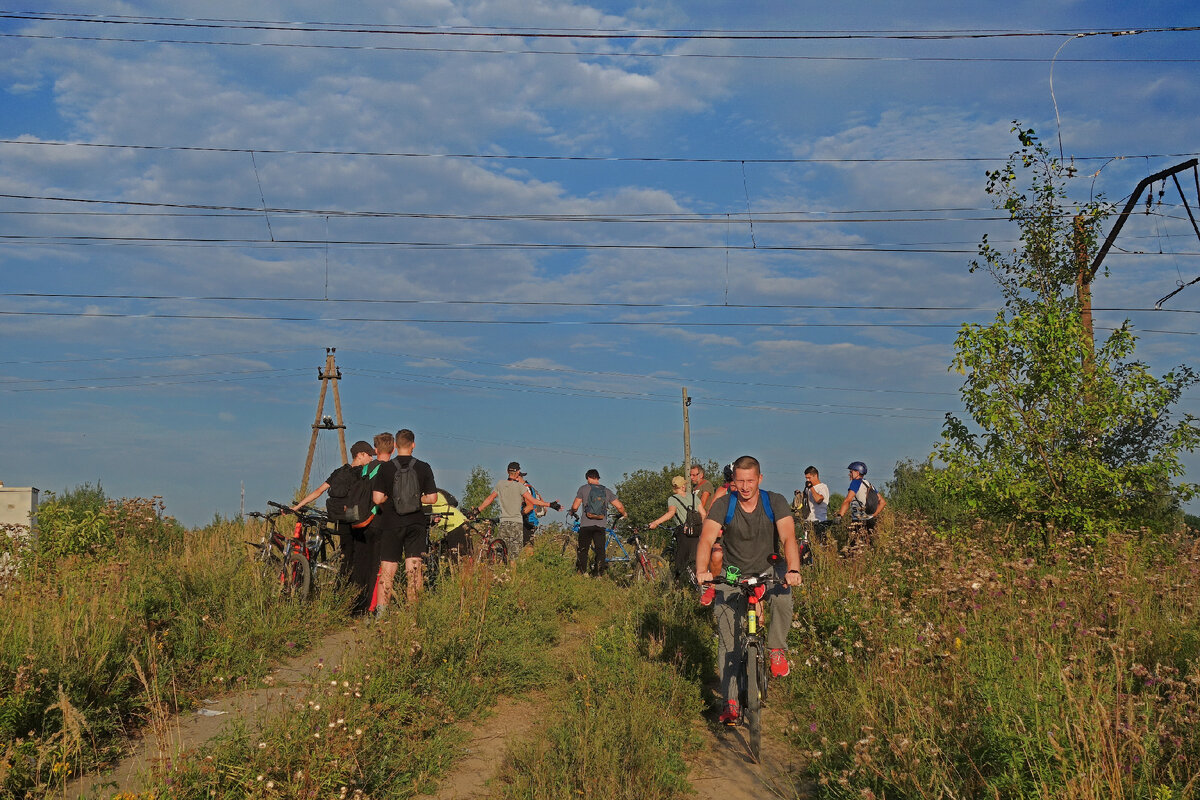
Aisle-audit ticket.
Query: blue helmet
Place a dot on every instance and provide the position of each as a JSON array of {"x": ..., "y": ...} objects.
[{"x": 858, "y": 467}]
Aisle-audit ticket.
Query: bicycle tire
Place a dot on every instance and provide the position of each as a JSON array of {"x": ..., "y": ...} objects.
[
  {"x": 496, "y": 552},
  {"x": 653, "y": 569},
  {"x": 433, "y": 570},
  {"x": 295, "y": 579},
  {"x": 753, "y": 698}
]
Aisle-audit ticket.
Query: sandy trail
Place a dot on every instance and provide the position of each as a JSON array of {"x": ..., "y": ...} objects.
[{"x": 290, "y": 682}]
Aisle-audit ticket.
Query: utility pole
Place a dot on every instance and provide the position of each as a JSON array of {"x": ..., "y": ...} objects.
[
  {"x": 1088, "y": 273},
  {"x": 687, "y": 434},
  {"x": 330, "y": 374}
]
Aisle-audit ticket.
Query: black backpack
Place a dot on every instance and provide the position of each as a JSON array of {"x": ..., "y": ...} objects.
[
  {"x": 349, "y": 497},
  {"x": 596, "y": 506},
  {"x": 406, "y": 488},
  {"x": 694, "y": 521},
  {"x": 872, "y": 504}
]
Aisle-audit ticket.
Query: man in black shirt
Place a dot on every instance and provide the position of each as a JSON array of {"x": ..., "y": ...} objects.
[
  {"x": 749, "y": 541},
  {"x": 402, "y": 536}
]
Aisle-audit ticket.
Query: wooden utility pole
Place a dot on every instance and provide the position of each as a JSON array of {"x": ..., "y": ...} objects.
[
  {"x": 1083, "y": 291},
  {"x": 330, "y": 374},
  {"x": 687, "y": 434}
]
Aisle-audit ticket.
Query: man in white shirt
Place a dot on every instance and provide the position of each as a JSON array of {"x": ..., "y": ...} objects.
[{"x": 817, "y": 494}]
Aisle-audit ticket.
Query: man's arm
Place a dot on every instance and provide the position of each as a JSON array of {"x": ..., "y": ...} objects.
[
  {"x": 429, "y": 499},
  {"x": 815, "y": 495},
  {"x": 490, "y": 498},
  {"x": 619, "y": 506},
  {"x": 704, "y": 498},
  {"x": 320, "y": 490},
  {"x": 846, "y": 504},
  {"x": 785, "y": 526},
  {"x": 531, "y": 501},
  {"x": 882, "y": 506},
  {"x": 670, "y": 513},
  {"x": 708, "y": 537},
  {"x": 378, "y": 497},
  {"x": 575, "y": 505}
]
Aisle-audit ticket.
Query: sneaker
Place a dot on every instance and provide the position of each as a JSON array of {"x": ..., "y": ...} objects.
[
  {"x": 730, "y": 715},
  {"x": 706, "y": 599},
  {"x": 779, "y": 664}
]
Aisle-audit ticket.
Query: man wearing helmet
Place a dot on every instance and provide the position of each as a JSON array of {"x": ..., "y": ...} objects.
[{"x": 857, "y": 503}]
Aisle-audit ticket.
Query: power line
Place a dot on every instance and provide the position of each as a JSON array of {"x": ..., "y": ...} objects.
[
  {"x": 517, "y": 322},
  {"x": 430, "y": 245},
  {"x": 538, "y": 303},
  {"x": 150, "y": 358},
  {"x": 497, "y": 32},
  {"x": 6, "y": 381},
  {"x": 541, "y": 157}
]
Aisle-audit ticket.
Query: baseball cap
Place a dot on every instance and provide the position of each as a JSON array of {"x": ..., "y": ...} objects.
[
  {"x": 513, "y": 466},
  {"x": 362, "y": 447},
  {"x": 679, "y": 482}
]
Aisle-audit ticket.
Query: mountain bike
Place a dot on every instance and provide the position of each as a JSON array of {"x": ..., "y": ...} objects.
[
  {"x": 622, "y": 564},
  {"x": 309, "y": 555},
  {"x": 491, "y": 549},
  {"x": 755, "y": 667}
]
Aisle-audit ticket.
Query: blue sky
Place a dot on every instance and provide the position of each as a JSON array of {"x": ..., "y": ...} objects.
[{"x": 676, "y": 175}]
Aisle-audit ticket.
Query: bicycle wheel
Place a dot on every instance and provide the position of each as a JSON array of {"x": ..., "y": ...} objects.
[
  {"x": 753, "y": 698},
  {"x": 652, "y": 568},
  {"x": 495, "y": 553},
  {"x": 327, "y": 566},
  {"x": 433, "y": 569},
  {"x": 295, "y": 580}
]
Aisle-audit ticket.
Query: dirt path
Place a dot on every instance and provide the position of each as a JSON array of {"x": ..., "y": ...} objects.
[
  {"x": 723, "y": 770},
  {"x": 286, "y": 684},
  {"x": 513, "y": 720}
]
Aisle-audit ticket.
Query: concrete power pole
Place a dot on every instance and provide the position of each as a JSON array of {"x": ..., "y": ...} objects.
[
  {"x": 330, "y": 374},
  {"x": 687, "y": 434}
]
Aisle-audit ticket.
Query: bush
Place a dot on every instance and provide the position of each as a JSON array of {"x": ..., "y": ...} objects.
[{"x": 913, "y": 490}]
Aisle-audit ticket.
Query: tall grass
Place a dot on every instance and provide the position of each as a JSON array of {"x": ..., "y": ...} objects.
[
  {"x": 622, "y": 724},
  {"x": 389, "y": 723},
  {"x": 184, "y": 609},
  {"x": 933, "y": 667}
]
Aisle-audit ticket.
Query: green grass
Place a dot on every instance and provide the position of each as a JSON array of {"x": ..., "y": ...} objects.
[
  {"x": 934, "y": 667},
  {"x": 391, "y": 723},
  {"x": 623, "y": 722},
  {"x": 93, "y": 645}
]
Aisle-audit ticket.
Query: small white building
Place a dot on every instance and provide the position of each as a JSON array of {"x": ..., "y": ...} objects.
[{"x": 18, "y": 505}]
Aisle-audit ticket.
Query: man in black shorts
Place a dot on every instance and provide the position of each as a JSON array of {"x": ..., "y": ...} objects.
[
  {"x": 402, "y": 535},
  {"x": 749, "y": 538}
]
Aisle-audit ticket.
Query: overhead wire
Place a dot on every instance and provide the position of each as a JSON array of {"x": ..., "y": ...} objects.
[
  {"x": 575, "y": 33},
  {"x": 554, "y": 157}
]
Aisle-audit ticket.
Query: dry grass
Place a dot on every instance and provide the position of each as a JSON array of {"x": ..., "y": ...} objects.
[{"x": 939, "y": 668}]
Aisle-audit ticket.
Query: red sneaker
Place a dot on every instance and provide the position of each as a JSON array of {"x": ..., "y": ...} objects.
[
  {"x": 730, "y": 715},
  {"x": 779, "y": 664},
  {"x": 707, "y": 596}
]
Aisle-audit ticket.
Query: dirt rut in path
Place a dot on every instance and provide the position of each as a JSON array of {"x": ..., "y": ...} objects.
[
  {"x": 513, "y": 720},
  {"x": 289, "y": 682},
  {"x": 723, "y": 770}
]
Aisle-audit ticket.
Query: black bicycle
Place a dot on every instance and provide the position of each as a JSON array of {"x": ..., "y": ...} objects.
[
  {"x": 309, "y": 555},
  {"x": 755, "y": 668}
]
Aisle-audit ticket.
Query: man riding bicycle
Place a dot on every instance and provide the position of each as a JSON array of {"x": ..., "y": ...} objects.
[{"x": 752, "y": 518}]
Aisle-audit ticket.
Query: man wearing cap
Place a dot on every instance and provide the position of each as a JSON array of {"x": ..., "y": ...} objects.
[
  {"x": 595, "y": 498},
  {"x": 359, "y": 545},
  {"x": 514, "y": 497}
]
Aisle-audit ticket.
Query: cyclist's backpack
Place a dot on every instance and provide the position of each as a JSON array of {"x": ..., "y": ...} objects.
[
  {"x": 872, "y": 504},
  {"x": 349, "y": 497},
  {"x": 763, "y": 499},
  {"x": 801, "y": 508},
  {"x": 694, "y": 521},
  {"x": 451, "y": 500},
  {"x": 596, "y": 506},
  {"x": 406, "y": 488}
]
